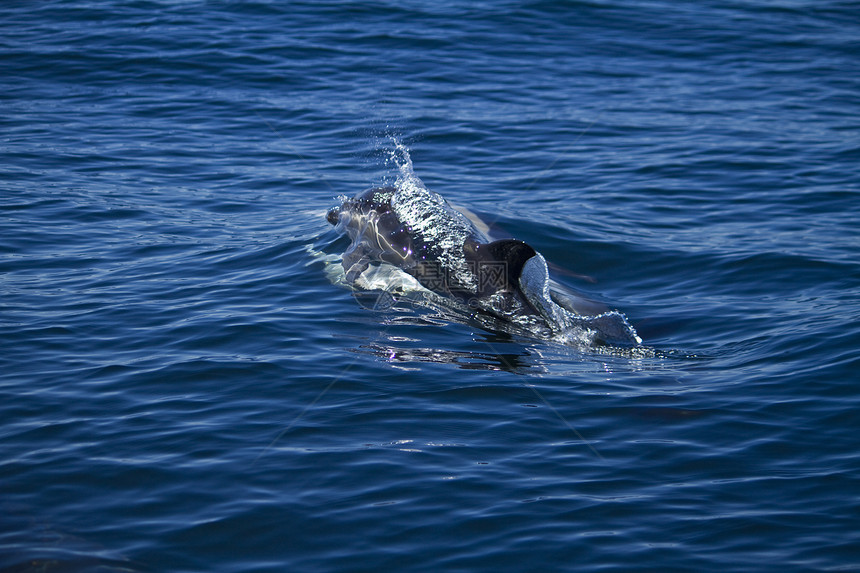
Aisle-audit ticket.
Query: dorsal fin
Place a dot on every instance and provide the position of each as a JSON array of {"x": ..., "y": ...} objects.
[{"x": 497, "y": 265}]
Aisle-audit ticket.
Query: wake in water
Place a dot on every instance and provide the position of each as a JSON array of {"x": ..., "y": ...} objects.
[{"x": 410, "y": 244}]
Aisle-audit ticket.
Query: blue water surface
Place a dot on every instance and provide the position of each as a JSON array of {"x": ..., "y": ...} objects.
[{"x": 184, "y": 387}]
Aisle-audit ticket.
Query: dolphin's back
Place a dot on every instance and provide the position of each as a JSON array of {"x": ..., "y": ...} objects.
[{"x": 438, "y": 232}]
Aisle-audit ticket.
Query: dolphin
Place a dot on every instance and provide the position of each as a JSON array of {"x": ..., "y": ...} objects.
[{"x": 442, "y": 248}]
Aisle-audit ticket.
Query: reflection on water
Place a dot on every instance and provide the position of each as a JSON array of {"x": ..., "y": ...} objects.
[{"x": 509, "y": 362}]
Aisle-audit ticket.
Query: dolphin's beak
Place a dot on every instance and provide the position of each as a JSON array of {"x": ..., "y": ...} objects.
[{"x": 333, "y": 215}]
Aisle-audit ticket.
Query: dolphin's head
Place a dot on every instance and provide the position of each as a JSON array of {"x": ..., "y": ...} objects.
[
  {"x": 377, "y": 233},
  {"x": 373, "y": 203}
]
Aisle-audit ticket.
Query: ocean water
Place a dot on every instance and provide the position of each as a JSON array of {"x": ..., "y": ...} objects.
[{"x": 183, "y": 387}]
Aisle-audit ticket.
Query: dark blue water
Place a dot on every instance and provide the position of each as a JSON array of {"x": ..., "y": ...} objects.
[{"x": 182, "y": 387}]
